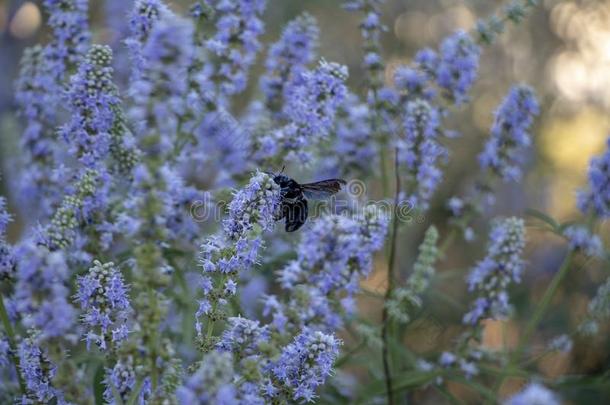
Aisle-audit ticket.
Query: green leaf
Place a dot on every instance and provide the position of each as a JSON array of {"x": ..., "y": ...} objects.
[
  {"x": 98, "y": 385},
  {"x": 543, "y": 217}
]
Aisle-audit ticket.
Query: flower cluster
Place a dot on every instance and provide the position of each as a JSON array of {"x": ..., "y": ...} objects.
[
  {"x": 353, "y": 149},
  {"x": 97, "y": 126},
  {"x": 510, "y": 134},
  {"x": 534, "y": 394},
  {"x": 312, "y": 100},
  {"x": 7, "y": 258},
  {"x": 492, "y": 275},
  {"x": 502, "y": 156},
  {"x": 166, "y": 56},
  {"x": 211, "y": 383},
  {"x": 454, "y": 68},
  {"x": 580, "y": 238},
  {"x": 251, "y": 212},
  {"x": 38, "y": 372},
  {"x": 102, "y": 295},
  {"x": 597, "y": 198},
  {"x": 334, "y": 254},
  {"x": 123, "y": 380},
  {"x": 41, "y": 290},
  {"x": 36, "y": 185},
  {"x": 288, "y": 58},
  {"x": 306, "y": 362},
  {"x": 144, "y": 15},
  {"x": 70, "y": 25},
  {"x": 419, "y": 151},
  {"x": 236, "y": 41}
]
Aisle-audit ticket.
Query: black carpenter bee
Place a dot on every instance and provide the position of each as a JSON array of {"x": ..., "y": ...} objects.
[{"x": 295, "y": 195}]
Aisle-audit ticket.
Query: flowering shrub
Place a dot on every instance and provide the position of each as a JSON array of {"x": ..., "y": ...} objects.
[{"x": 149, "y": 268}]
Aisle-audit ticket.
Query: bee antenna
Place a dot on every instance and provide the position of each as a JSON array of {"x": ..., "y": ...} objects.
[{"x": 283, "y": 167}]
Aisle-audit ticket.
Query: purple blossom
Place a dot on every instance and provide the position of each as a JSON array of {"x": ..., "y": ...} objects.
[
  {"x": 166, "y": 56},
  {"x": 580, "y": 238},
  {"x": 313, "y": 98},
  {"x": 212, "y": 383},
  {"x": 102, "y": 295},
  {"x": 456, "y": 67},
  {"x": 253, "y": 208},
  {"x": 71, "y": 36},
  {"x": 144, "y": 15},
  {"x": 490, "y": 278},
  {"x": 251, "y": 212},
  {"x": 122, "y": 379},
  {"x": 243, "y": 337},
  {"x": 305, "y": 363},
  {"x": 96, "y": 128},
  {"x": 354, "y": 148},
  {"x": 7, "y": 258},
  {"x": 312, "y": 102},
  {"x": 41, "y": 292},
  {"x": 38, "y": 372},
  {"x": 597, "y": 198},
  {"x": 288, "y": 58},
  {"x": 510, "y": 136},
  {"x": 235, "y": 42},
  {"x": 333, "y": 255},
  {"x": 534, "y": 394},
  {"x": 37, "y": 187},
  {"x": 419, "y": 151}
]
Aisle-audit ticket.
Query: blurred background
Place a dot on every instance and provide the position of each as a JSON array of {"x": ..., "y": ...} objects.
[{"x": 562, "y": 50}]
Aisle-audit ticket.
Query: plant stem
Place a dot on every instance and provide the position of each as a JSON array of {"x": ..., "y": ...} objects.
[
  {"x": 538, "y": 314},
  {"x": 392, "y": 258},
  {"x": 546, "y": 301},
  {"x": 10, "y": 334}
]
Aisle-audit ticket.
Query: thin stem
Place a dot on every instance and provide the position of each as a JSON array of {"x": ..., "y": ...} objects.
[
  {"x": 391, "y": 260},
  {"x": 546, "y": 301},
  {"x": 538, "y": 315},
  {"x": 10, "y": 334}
]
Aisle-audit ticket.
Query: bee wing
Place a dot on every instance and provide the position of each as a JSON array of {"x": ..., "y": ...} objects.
[{"x": 322, "y": 189}]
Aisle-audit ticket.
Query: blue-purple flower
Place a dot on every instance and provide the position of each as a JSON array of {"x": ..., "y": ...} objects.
[
  {"x": 7, "y": 258},
  {"x": 38, "y": 372},
  {"x": 102, "y": 295},
  {"x": 333, "y": 255},
  {"x": 305, "y": 363},
  {"x": 235, "y": 41},
  {"x": 534, "y": 394},
  {"x": 491, "y": 276},
  {"x": 123, "y": 379},
  {"x": 41, "y": 292},
  {"x": 419, "y": 151},
  {"x": 581, "y": 238},
  {"x": 454, "y": 68},
  {"x": 597, "y": 198},
  {"x": 288, "y": 58},
  {"x": 503, "y": 153},
  {"x": 97, "y": 127}
]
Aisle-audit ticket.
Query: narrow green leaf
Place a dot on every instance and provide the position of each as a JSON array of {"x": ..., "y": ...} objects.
[
  {"x": 98, "y": 385},
  {"x": 543, "y": 217}
]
